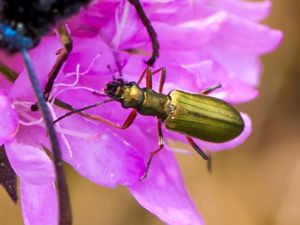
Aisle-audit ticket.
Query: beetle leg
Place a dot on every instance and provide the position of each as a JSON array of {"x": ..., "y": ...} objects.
[
  {"x": 143, "y": 75},
  {"x": 152, "y": 34},
  {"x": 63, "y": 54},
  {"x": 127, "y": 123},
  {"x": 204, "y": 155},
  {"x": 154, "y": 153},
  {"x": 197, "y": 148},
  {"x": 210, "y": 89},
  {"x": 162, "y": 78},
  {"x": 148, "y": 73}
]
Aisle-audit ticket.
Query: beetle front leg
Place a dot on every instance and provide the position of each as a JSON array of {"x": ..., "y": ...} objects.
[
  {"x": 127, "y": 123},
  {"x": 149, "y": 74},
  {"x": 154, "y": 153}
]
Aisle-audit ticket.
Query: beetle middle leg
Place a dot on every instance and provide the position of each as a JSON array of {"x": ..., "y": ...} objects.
[
  {"x": 154, "y": 153},
  {"x": 162, "y": 79}
]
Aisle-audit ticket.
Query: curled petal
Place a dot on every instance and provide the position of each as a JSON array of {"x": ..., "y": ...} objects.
[
  {"x": 39, "y": 203},
  {"x": 9, "y": 121},
  {"x": 31, "y": 164}
]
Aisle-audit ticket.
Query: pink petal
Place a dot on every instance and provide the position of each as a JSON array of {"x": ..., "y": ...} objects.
[
  {"x": 247, "y": 70},
  {"x": 163, "y": 192},
  {"x": 242, "y": 35},
  {"x": 94, "y": 61},
  {"x": 9, "y": 121},
  {"x": 43, "y": 58},
  {"x": 250, "y": 10},
  {"x": 31, "y": 164},
  {"x": 13, "y": 61},
  {"x": 189, "y": 35},
  {"x": 100, "y": 154},
  {"x": 39, "y": 204}
]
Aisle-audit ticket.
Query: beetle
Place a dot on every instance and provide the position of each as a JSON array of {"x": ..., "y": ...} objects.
[{"x": 191, "y": 114}]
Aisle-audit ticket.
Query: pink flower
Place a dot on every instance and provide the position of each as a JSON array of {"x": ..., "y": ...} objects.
[{"x": 202, "y": 43}]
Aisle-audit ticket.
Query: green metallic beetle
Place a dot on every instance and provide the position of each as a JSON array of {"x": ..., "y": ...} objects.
[{"x": 193, "y": 115}]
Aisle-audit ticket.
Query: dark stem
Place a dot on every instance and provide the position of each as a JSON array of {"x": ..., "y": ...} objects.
[
  {"x": 153, "y": 36},
  {"x": 65, "y": 217}
]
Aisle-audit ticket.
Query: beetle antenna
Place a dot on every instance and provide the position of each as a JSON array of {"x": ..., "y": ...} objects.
[{"x": 82, "y": 109}]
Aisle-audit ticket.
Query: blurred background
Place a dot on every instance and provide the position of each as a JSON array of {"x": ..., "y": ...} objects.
[{"x": 257, "y": 183}]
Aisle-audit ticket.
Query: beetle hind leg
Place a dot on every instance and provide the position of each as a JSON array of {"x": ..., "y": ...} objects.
[
  {"x": 204, "y": 155},
  {"x": 154, "y": 153}
]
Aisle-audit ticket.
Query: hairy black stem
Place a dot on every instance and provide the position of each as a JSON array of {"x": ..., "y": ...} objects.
[{"x": 65, "y": 217}]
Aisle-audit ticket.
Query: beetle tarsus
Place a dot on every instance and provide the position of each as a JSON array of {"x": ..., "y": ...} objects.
[
  {"x": 152, "y": 154},
  {"x": 209, "y": 164}
]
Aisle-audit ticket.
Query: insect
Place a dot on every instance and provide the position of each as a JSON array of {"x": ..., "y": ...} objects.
[{"x": 193, "y": 115}]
